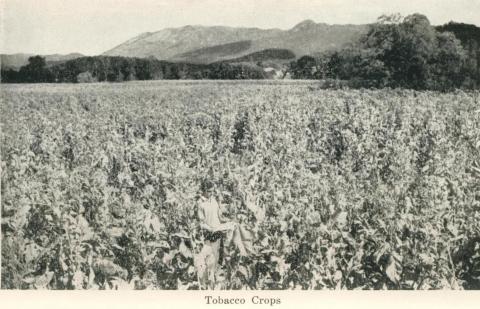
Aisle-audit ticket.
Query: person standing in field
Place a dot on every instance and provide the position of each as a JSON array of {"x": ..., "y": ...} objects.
[
  {"x": 214, "y": 224},
  {"x": 218, "y": 233}
]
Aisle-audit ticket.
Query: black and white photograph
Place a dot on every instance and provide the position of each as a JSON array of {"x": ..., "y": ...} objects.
[{"x": 247, "y": 145}]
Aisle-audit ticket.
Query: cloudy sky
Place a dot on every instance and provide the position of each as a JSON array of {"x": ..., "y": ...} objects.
[{"x": 94, "y": 26}]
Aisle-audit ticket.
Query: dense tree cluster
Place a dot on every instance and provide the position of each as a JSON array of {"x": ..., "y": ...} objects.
[
  {"x": 402, "y": 52},
  {"x": 35, "y": 71},
  {"x": 118, "y": 69},
  {"x": 469, "y": 35}
]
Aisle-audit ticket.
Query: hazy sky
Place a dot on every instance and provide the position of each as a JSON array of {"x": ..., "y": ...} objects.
[{"x": 94, "y": 26}]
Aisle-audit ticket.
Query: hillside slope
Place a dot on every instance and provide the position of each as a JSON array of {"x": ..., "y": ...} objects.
[
  {"x": 214, "y": 53},
  {"x": 173, "y": 42},
  {"x": 270, "y": 54},
  {"x": 201, "y": 44}
]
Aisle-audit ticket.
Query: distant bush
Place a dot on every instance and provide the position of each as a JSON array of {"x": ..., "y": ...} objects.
[{"x": 86, "y": 77}]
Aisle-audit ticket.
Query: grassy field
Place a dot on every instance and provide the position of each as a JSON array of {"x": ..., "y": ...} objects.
[{"x": 362, "y": 189}]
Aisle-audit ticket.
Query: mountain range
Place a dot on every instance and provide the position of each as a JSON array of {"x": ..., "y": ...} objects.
[
  {"x": 203, "y": 44},
  {"x": 213, "y": 44}
]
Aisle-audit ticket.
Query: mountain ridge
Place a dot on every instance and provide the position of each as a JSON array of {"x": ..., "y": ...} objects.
[{"x": 176, "y": 44}]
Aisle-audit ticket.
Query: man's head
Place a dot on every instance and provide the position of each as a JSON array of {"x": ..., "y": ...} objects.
[{"x": 207, "y": 188}]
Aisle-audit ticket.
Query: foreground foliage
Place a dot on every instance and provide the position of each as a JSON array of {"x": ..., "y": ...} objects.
[{"x": 361, "y": 189}]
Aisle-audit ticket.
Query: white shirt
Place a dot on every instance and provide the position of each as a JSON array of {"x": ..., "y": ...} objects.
[{"x": 209, "y": 212}]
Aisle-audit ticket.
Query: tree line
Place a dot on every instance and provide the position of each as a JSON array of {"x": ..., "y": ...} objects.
[
  {"x": 118, "y": 69},
  {"x": 405, "y": 52}
]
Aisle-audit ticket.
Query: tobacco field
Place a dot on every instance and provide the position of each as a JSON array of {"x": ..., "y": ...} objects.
[{"x": 362, "y": 189}]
